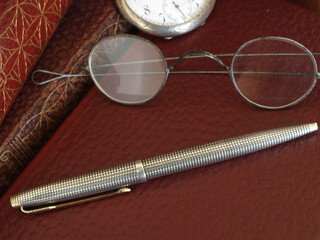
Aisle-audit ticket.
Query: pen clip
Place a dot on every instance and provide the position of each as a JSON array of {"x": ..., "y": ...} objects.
[{"x": 76, "y": 202}]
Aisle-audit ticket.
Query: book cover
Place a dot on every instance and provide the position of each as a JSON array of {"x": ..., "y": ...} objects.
[
  {"x": 25, "y": 29},
  {"x": 39, "y": 110}
]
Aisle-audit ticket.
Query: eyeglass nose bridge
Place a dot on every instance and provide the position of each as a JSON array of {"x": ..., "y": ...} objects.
[{"x": 199, "y": 54}]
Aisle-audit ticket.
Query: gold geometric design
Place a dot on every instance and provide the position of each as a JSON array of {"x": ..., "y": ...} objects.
[
  {"x": 48, "y": 111},
  {"x": 25, "y": 29},
  {"x": 56, "y": 105}
]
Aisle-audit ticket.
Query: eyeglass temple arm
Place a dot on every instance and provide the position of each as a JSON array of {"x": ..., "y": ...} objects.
[
  {"x": 59, "y": 76},
  {"x": 192, "y": 54},
  {"x": 199, "y": 54}
]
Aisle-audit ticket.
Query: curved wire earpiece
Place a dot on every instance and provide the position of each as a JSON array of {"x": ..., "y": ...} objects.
[{"x": 59, "y": 76}]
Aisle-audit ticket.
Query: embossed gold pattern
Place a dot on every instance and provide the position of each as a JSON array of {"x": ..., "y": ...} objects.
[
  {"x": 25, "y": 29},
  {"x": 45, "y": 111},
  {"x": 53, "y": 107}
]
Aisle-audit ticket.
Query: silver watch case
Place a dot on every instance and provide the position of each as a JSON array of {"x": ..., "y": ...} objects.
[{"x": 165, "y": 31}]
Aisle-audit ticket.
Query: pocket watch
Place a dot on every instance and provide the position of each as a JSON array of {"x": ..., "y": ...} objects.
[{"x": 166, "y": 18}]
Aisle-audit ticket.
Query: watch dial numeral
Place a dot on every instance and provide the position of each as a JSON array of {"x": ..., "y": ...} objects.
[
  {"x": 162, "y": 17},
  {"x": 146, "y": 10},
  {"x": 195, "y": 4}
]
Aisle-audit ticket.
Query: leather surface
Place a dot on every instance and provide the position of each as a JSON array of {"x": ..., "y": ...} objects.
[
  {"x": 39, "y": 110},
  {"x": 311, "y": 4},
  {"x": 273, "y": 194},
  {"x": 25, "y": 29}
]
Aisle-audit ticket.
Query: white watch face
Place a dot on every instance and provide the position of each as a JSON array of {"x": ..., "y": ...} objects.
[{"x": 167, "y": 12}]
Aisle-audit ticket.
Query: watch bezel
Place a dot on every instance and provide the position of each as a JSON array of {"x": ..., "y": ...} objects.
[{"x": 164, "y": 31}]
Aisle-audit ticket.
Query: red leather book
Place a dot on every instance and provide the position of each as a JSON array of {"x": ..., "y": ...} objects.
[
  {"x": 38, "y": 111},
  {"x": 272, "y": 194},
  {"x": 25, "y": 29}
]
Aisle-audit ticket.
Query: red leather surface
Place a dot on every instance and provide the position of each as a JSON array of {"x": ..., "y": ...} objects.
[
  {"x": 25, "y": 29},
  {"x": 272, "y": 194},
  {"x": 311, "y": 4}
]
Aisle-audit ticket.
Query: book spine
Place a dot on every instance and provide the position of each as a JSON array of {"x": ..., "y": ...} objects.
[
  {"x": 39, "y": 110},
  {"x": 25, "y": 29}
]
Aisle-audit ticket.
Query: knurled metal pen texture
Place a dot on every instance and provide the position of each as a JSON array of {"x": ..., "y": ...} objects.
[
  {"x": 130, "y": 173},
  {"x": 222, "y": 150}
]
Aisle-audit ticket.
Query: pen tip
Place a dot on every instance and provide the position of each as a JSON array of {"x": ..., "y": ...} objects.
[{"x": 313, "y": 127}]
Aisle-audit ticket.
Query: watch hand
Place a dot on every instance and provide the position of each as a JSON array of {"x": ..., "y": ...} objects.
[{"x": 177, "y": 7}]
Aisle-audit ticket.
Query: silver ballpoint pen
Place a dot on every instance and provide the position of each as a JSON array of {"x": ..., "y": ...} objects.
[{"x": 90, "y": 186}]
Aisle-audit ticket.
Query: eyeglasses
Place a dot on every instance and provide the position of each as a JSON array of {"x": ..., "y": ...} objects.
[{"x": 268, "y": 72}]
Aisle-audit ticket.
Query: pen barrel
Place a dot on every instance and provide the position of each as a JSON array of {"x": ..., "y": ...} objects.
[
  {"x": 222, "y": 150},
  {"x": 136, "y": 172}
]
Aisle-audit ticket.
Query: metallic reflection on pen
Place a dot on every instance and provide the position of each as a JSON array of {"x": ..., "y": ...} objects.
[{"x": 85, "y": 187}]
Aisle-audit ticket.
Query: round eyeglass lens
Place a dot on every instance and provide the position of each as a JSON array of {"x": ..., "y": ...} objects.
[
  {"x": 273, "y": 72},
  {"x": 127, "y": 69}
]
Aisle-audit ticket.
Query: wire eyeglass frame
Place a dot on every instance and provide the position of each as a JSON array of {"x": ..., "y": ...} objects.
[{"x": 198, "y": 54}]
